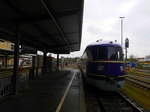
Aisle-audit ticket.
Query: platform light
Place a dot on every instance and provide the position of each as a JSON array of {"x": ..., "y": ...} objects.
[{"x": 100, "y": 68}]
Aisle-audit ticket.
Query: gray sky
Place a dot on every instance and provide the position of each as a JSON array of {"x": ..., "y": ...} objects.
[{"x": 101, "y": 21}]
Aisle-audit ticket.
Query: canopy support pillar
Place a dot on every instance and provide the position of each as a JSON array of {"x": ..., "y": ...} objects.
[
  {"x": 16, "y": 62},
  {"x": 44, "y": 62},
  {"x": 57, "y": 61}
]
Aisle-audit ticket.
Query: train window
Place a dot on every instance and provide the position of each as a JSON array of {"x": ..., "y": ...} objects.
[
  {"x": 89, "y": 54},
  {"x": 102, "y": 53},
  {"x": 84, "y": 55},
  {"x": 114, "y": 53}
]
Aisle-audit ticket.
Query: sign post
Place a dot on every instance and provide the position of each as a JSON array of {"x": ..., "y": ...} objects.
[{"x": 126, "y": 46}]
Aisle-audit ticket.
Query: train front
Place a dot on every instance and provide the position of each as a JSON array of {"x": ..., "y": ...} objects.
[{"x": 106, "y": 69}]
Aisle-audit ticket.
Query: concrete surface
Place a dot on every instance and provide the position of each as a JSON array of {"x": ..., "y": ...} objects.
[{"x": 45, "y": 94}]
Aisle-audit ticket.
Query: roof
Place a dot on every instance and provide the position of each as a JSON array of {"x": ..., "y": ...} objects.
[
  {"x": 104, "y": 44},
  {"x": 51, "y": 25}
]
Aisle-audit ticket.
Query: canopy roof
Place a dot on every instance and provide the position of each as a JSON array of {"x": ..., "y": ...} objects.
[{"x": 51, "y": 25}]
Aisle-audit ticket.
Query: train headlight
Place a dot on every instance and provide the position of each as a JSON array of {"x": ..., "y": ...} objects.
[
  {"x": 100, "y": 68},
  {"x": 121, "y": 68}
]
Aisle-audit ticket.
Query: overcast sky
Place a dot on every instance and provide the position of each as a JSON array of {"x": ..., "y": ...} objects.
[{"x": 101, "y": 21}]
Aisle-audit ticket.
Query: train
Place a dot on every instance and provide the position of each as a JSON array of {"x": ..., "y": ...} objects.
[{"x": 103, "y": 66}]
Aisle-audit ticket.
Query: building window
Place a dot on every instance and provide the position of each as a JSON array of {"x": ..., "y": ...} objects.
[
  {"x": 12, "y": 46},
  {"x": 1, "y": 40}
]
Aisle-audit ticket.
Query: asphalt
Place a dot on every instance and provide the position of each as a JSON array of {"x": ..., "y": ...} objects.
[
  {"x": 73, "y": 97},
  {"x": 46, "y": 93}
]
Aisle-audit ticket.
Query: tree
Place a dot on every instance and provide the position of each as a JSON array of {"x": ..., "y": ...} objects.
[
  {"x": 147, "y": 57},
  {"x": 132, "y": 58}
]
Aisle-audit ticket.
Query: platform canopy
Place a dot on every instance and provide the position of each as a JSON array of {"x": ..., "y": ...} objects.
[{"x": 51, "y": 25}]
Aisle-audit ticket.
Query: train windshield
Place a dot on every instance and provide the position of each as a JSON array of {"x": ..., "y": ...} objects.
[
  {"x": 102, "y": 53},
  {"x": 110, "y": 53},
  {"x": 114, "y": 53}
]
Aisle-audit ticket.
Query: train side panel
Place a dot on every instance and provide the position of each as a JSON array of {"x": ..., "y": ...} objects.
[{"x": 106, "y": 68}]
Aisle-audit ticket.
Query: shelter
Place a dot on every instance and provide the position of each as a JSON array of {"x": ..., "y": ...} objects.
[{"x": 49, "y": 25}]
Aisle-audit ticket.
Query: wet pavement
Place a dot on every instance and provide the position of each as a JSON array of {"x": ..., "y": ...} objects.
[
  {"x": 73, "y": 97},
  {"x": 45, "y": 94}
]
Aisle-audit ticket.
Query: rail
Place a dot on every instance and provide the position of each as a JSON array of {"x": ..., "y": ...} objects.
[
  {"x": 138, "y": 82},
  {"x": 142, "y": 70},
  {"x": 105, "y": 101},
  {"x": 131, "y": 103}
]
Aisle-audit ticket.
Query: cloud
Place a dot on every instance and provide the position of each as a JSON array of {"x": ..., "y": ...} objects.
[
  {"x": 101, "y": 20},
  {"x": 127, "y": 6},
  {"x": 93, "y": 30}
]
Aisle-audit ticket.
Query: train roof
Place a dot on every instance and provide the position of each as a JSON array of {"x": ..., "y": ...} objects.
[{"x": 110, "y": 43}]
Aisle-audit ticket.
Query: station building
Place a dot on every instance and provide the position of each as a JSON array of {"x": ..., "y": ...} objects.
[{"x": 6, "y": 53}]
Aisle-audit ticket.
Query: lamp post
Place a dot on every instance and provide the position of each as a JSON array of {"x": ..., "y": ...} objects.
[{"x": 122, "y": 30}]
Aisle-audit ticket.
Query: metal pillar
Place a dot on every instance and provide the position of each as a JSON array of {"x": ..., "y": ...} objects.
[
  {"x": 32, "y": 73},
  {"x": 126, "y": 46},
  {"x": 16, "y": 63},
  {"x": 6, "y": 61},
  {"x": 44, "y": 62},
  {"x": 57, "y": 61},
  {"x": 122, "y": 30},
  {"x": 126, "y": 54},
  {"x": 37, "y": 65}
]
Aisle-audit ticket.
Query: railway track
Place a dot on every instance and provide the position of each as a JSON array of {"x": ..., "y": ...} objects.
[
  {"x": 102, "y": 101},
  {"x": 142, "y": 70},
  {"x": 139, "y": 84},
  {"x": 141, "y": 73},
  {"x": 142, "y": 82}
]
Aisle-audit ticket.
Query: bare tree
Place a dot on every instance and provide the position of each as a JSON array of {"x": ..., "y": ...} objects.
[{"x": 148, "y": 56}]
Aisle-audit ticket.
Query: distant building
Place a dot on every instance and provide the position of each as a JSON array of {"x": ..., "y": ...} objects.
[
  {"x": 6, "y": 45},
  {"x": 6, "y": 51},
  {"x": 140, "y": 59},
  {"x": 147, "y": 59},
  {"x": 143, "y": 59},
  {"x": 145, "y": 62}
]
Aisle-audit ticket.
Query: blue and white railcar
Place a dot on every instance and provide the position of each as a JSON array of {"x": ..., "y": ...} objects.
[{"x": 103, "y": 66}]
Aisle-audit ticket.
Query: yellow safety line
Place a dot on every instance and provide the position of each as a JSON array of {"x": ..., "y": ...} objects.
[
  {"x": 97, "y": 75},
  {"x": 103, "y": 75},
  {"x": 65, "y": 94}
]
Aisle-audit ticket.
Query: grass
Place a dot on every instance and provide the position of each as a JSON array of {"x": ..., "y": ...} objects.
[
  {"x": 139, "y": 95},
  {"x": 134, "y": 72}
]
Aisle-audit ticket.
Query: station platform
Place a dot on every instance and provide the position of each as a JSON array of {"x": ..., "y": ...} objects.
[{"x": 60, "y": 91}]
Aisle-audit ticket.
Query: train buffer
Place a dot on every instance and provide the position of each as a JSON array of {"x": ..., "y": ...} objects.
[{"x": 59, "y": 91}]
